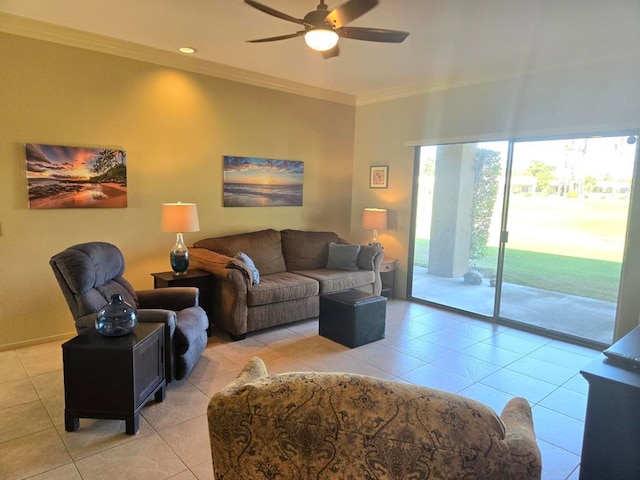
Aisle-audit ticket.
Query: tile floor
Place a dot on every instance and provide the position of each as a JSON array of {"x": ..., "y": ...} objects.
[{"x": 423, "y": 345}]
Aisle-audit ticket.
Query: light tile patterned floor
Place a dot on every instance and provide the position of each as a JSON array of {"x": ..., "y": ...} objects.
[{"x": 423, "y": 345}]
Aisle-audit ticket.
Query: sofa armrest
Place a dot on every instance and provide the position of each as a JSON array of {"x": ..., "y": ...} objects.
[
  {"x": 232, "y": 279},
  {"x": 218, "y": 264},
  {"x": 169, "y": 298},
  {"x": 86, "y": 322},
  {"x": 521, "y": 440},
  {"x": 254, "y": 370}
]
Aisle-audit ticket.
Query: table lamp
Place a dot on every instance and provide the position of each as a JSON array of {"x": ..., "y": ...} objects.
[
  {"x": 178, "y": 218},
  {"x": 374, "y": 219}
]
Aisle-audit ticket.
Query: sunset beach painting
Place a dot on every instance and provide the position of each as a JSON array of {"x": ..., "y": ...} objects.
[
  {"x": 262, "y": 182},
  {"x": 76, "y": 177}
]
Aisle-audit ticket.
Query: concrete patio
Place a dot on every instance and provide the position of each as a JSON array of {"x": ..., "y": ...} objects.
[{"x": 568, "y": 314}]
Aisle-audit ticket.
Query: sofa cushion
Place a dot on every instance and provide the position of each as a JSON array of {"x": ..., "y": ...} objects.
[
  {"x": 343, "y": 256},
  {"x": 264, "y": 248},
  {"x": 367, "y": 257},
  {"x": 306, "y": 250},
  {"x": 281, "y": 287},
  {"x": 336, "y": 280}
]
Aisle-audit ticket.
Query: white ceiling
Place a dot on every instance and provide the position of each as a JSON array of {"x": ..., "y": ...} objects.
[{"x": 451, "y": 42}]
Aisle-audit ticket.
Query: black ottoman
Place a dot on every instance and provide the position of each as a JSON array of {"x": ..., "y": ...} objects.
[{"x": 352, "y": 317}]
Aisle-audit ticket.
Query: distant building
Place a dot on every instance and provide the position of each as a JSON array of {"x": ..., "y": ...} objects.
[
  {"x": 613, "y": 187},
  {"x": 524, "y": 184}
]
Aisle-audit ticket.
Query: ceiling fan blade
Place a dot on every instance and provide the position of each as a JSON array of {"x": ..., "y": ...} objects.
[
  {"x": 349, "y": 11},
  {"x": 332, "y": 52},
  {"x": 275, "y": 13},
  {"x": 273, "y": 39},
  {"x": 373, "y": 34}
]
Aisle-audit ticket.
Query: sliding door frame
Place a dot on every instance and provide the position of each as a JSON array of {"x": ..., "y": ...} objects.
[{"x": 619, "y": 330}]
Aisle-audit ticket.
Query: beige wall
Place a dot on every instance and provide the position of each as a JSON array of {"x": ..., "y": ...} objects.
[
  {"x": 595, "y": 98},
  {"x": 175, "y": 127}
]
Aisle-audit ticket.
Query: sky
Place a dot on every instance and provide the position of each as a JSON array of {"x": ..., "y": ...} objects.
[
  {"x": 60, "y": 162},
  {"x": 262, "y": 171},
  {"x": 597, "y": 156},
  {"x": 604, "y": 156}
]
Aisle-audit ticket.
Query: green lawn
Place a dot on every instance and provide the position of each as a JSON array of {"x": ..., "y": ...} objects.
[{"x": 598, "y": 279}]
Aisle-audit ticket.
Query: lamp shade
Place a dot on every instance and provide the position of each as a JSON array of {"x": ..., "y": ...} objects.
[
  {"x": 374, "y": 219},
  {"x": 179, "y": 217}
]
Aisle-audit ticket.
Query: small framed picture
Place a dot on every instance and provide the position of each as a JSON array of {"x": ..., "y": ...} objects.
[{"x": 379, "y": 176}]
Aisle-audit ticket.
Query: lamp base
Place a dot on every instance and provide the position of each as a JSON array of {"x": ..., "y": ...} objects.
[
  {"x": 179, "y": 262},
  {"x": 179, "y": 256}
]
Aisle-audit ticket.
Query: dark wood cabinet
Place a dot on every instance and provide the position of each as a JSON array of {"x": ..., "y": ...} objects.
[
  {"x": 611, "y": 443},
  {"x": 113, "y": 377},
  {"x": 193, "y": 278}
]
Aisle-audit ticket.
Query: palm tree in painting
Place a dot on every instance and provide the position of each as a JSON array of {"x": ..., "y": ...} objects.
[{"x": 110, "y": 166}]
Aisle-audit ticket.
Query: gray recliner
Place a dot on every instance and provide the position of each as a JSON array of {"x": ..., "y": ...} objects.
[{"x": 89, "y": 274}]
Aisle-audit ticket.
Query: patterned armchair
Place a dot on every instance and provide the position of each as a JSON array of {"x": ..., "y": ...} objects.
[{"x": 346, "y": 426}]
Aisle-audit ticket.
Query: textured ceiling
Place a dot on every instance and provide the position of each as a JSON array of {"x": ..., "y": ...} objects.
[{"x": 451, "y": 42}]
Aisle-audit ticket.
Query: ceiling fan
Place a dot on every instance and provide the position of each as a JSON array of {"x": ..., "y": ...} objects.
[{"x": 323, "y": 28}]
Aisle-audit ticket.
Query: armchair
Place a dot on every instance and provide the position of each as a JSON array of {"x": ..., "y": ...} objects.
[{"x": 90, "y": 273}]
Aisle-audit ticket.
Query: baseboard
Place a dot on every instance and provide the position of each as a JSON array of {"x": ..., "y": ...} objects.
[{"x": 37, "y": 341}]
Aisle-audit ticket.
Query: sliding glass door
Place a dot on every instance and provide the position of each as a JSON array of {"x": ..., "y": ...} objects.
[
  {"x": 563, "y": 260},
  {"x": 526, "y": 232}
]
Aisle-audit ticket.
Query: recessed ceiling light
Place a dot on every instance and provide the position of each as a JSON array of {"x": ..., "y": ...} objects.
[{"x": 187, "y": 50}]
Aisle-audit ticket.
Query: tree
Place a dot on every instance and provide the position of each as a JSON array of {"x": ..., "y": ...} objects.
[
  {"x": 590, "y": 183},
  {"x": 485, "y": 188},
  {"x": 428, "y": 167},
  {"x": 543, "y": 172},
  {"x": 107, "y": 159}
]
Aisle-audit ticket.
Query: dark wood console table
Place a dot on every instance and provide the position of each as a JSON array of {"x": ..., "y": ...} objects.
[
  {"x": 611, "y": 444},
  {"x": 113, "y": 377}
]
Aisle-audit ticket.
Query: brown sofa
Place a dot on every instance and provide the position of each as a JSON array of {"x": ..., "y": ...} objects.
[
  {"x": 292, "y": 269},
  {"x": 319, "y": 425}
]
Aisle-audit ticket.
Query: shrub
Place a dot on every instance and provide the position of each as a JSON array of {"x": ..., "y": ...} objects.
[{"x": 487, "y": 171}]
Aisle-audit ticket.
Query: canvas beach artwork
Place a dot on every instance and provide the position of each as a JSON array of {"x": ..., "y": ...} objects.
[
  {"x": 76, "y": 177},
  {"x": 262, "y": 182}
]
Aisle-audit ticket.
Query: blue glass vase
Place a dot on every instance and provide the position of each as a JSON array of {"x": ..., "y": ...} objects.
[{"x": 116, "y": 318}]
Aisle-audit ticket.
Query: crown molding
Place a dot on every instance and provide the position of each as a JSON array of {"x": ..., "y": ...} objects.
[{"x": 49, "y": 32}]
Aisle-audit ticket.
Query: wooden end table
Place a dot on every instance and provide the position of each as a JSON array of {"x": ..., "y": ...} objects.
[
  {"x": 113, "y": 377},
  {"x": 192, "y": 278},
  {"x": 388, "y": 276}
]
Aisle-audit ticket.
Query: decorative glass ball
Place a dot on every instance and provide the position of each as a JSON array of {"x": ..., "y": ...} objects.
[{"x": 116, "y": 318}]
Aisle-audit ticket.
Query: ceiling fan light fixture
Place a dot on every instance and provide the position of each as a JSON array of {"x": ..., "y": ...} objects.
[{"x": 321, "y": 39}]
